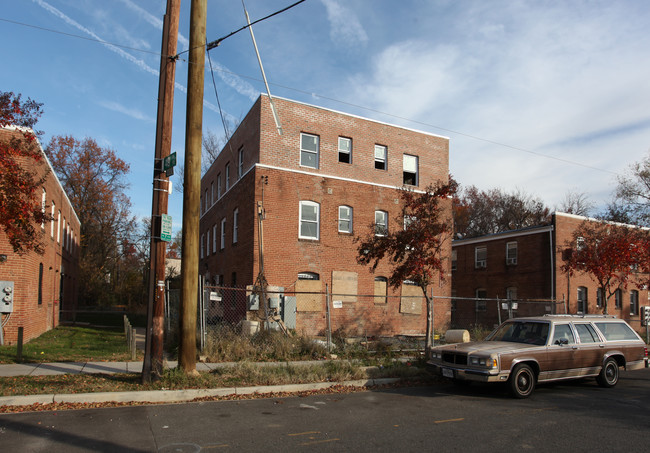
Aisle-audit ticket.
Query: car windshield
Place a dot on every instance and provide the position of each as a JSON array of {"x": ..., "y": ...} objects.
[{"x": 535, "y": 333}]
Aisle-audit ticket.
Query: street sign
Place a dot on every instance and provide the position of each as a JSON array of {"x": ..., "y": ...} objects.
[
  {"x": 165, "y": 227},
  {"x": 169, "y": 161}
]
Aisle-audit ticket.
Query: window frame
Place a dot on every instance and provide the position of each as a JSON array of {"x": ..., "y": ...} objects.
[
  {"x": 240, "y": 163},
  {"x": 385, "y": 224},
  {"x": 634, "y": 302},
  {"x": 343, "y": 152},
  {"x": 227, "y": 176},
  {"x": 304, "y": 150},
  {"x": 480, "y": 263},
  {"x": 349, "y": 219},
  {"x": 302, "y": 204},
  {"x": 416, "y": 175},
  {"x": 223, "y": 234},
  {"x": 510, "y": 247},
  {"x": 219, "y": 192},
  {"x": 235, "y": 225},
  {"x": 214, "y": 238},
  {"x": 382, "y": 161}
]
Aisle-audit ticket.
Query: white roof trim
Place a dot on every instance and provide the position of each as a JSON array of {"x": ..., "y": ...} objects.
[{"x": 500, "y": 236}]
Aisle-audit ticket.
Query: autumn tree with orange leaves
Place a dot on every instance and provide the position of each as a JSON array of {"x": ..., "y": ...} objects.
[
  {"x": 416, "y": 251},
  {"x": 95, "y": 180},
  {"x": 613, "y": 255},
  {"x": 22, "y": 174}
]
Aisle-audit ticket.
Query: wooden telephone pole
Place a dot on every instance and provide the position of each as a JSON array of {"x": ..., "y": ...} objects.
[
  {"x": 153, "y": 358},
  {"x": 192, "y": 186}
]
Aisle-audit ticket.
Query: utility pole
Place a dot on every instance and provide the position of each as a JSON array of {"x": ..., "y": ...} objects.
[
  {"x": 153, "y": 358},
  {"x": 192, "y": 186}
]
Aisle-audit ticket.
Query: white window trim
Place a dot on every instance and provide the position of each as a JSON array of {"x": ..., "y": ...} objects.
[
  {"x": 317, "y": 222},
  {"x": 227, "y": 176},
  {"x": 384, "y": 159},
  {"x": 214, "y": 238},
  {"x": 480, "y": 263},
  {"x": 240, "y": 163},
  {"x": 512, "y": 246},
  {"x": 52, "y": 221},
  {"x": 219, "y": 193},
  {"x": 345, "y": 151},
  {"x": 350, "y": 219},
  {"x": 317, "y": 153},
  {"x": 385, "y": 224},
  {"x": 406, "y": 157}
]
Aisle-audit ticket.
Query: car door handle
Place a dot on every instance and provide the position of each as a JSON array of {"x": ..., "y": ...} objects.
[
  {"x": 574, "y": 347},
  {"x": 601, "y": 345}
]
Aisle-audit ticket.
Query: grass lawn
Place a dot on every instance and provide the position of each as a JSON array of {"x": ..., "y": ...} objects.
[
  {"x": 72, "y": 344},
  {"x": 240, "y": 375}
]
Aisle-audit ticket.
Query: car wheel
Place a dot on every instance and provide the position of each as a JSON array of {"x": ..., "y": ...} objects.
[
  {"x": 522, "y": 381},
  {"x": 608, "y": 376}
]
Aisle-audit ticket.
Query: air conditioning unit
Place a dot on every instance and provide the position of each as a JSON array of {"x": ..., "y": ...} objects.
[
  {"x": 481, "y": 264},
  {"x": 511, "y": 261}
]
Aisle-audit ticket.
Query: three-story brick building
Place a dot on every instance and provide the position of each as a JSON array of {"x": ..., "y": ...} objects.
[{"x": 327, "y": 178}]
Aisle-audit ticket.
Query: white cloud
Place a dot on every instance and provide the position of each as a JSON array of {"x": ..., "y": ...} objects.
[
  {"x": 133, "y": 113},
  {"x": 345, "y": 28}
]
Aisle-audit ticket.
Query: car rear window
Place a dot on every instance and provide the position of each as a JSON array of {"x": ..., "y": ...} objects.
[{"x": 613, "y": 331}]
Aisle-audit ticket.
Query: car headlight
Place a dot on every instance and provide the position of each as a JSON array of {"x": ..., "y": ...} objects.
[{"x": 483, "y": 362}]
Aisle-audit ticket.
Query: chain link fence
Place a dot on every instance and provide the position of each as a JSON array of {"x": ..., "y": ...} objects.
[{"x": 329, "y": 322}]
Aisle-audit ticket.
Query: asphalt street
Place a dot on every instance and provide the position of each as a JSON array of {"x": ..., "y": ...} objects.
[{"x": 575, "y": 416}]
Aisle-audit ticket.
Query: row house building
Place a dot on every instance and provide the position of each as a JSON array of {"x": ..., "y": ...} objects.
[
  {"x": 40, "y": 286},
  {"x": 518, "y": 273},
  {"x": 298, "y": 199}
]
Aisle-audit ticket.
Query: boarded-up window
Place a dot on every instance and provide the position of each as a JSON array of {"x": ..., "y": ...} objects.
[
  {"x": 411, "y": 300},
  {"x": 381, "y": 285},
  {"x": 344, "y": 286},
  {"x": 309, "y": 296}
]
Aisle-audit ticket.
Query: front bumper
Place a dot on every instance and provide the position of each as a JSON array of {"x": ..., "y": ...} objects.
[{"x": 467, "y": 374}]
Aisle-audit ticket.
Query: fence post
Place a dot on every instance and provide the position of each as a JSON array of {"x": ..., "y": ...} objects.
[{"x": 19, "y": 347}]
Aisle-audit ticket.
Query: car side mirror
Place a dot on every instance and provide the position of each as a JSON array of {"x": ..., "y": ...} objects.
[{"x": 562, "y": 342}]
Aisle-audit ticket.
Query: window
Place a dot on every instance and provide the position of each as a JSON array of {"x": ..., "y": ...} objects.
[
  {"x": 235, "y": 225},
  {"x": 345, "y": 150},
  {"x": 207, "y": 242},
  {"x": 308, "y": 276},
  {"x": 219, "y": 186},
  {"x": 599, "y": 297},
  {"x": 201, "y": 245},
  {"x": 227, "y": 176},
  {"x": 634, "y": 302},
  {"x": 52, "y": 221},
  {"x": 587, "y": 334},
  {"x": 223, "y": 233},
  {"x": 511, "y": 253},
  {"x": 582, "y": 299},
  {"x": 309, "y": 145},
  {"x": 207, "y": 201},
  {"x": 64, "y": 233},
  {"x": 381, "y": 223},
  {"x": 454, "y": 260},
  {"x": 381, "y": 286},
  {"x": 480, "y": 257},
  {"x": 214, "y": 238},
  {"x": 481, "y": 305},
  {"x": 43, "y": 202},
  {"x": 580, "y": 243},
  {"x": 40, "y": 284},
  {"x": 309, "y": 218},
  {"x": 211, "y": 193},
  {"x": 618, "y": 298},
  {"x": 409, "y": 220},
  {"x": 563, "y": 335},
  {"x": 345, "y": 219},
  {"x": 380, "y": 157},
  {"x": 240, "y": 163},
  {"x": 58, "y": 227},
  {"x": 410, "y": 170}
]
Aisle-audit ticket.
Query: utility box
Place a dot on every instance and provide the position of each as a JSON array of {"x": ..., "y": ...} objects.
[
  {"x": 6, "y": 297},
  {"x": 645, "y": 315}
]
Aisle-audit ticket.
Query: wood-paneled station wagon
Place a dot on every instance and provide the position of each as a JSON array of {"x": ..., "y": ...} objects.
[{"x": 525, "y": 351}]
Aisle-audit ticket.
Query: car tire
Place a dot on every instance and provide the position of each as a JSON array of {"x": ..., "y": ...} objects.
[
  {"x": 522, "y": 381},
  {"x": 608, "y": 376}
]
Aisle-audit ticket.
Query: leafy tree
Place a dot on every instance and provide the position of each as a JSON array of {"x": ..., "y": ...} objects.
[
  {"x": 415, "y": 251},
  {"x": 94, "y": 178},
  {"x": 478, "y": 212},
  {"x": 610, "y": 253},
  {"x": 633, "y": 192},
  {"x": 22, "y": 174}
]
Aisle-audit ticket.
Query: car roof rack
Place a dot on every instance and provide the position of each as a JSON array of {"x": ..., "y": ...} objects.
[{"x": 579, "y": 315}]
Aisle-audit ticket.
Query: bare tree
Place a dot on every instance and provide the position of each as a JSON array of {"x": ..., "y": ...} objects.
[
  {"x": 633, "y": 192},
  {"x": 576, "y": 203}
]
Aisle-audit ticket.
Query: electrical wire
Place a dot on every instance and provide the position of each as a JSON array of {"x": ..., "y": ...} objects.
[{"x": 223, "y": 120}]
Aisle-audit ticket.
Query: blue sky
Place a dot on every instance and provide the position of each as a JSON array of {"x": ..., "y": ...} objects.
[{"x": 542, "y": 96}]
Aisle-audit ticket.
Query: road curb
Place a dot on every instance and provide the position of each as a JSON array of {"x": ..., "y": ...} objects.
[{"x": 178, "y": 396}]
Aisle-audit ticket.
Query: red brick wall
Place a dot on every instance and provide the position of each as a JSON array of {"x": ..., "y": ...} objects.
[
  {"x": 59, "y": 266},
  {"x": 358, "y": 185}
]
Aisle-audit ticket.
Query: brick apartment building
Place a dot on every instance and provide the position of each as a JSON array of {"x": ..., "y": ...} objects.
[
  {"x": 43, "y": 285},
  {"x": 328, "y": 178},
  {"x": 524, "y": 266}
]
